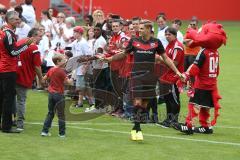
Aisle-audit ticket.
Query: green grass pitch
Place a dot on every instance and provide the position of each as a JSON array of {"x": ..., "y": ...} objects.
[{"x": 107, "y": 138}]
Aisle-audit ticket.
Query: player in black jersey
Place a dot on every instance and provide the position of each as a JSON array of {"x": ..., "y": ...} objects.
[{"x": 145, "y": 50}]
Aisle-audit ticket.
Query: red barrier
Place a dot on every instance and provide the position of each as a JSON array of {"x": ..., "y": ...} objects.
[
  {"x": 182, "y": 9},
  {"x": 38, "y": 4}
]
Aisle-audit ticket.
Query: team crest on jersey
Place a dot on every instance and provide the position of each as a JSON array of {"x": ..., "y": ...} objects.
[{"x": 153, "y": 44}]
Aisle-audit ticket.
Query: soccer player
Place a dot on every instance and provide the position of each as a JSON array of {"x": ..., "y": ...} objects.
[{"x": 143, "y": 80}]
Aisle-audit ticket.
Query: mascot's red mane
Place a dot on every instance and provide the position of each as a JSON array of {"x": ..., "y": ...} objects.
[{"x": 210, "y": 36}]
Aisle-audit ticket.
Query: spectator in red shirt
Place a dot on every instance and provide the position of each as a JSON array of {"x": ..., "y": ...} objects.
[
  {"x": 175, "y": 51},
  {"x": 31, "y": 66},
  {"x": 116, "y": 43},
  {"x": 57, "y": 78}
]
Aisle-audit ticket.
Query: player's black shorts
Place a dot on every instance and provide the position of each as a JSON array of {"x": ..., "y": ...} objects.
[
  {"x": 143, "y": 85},
  {"x": 202, "y": 98}
]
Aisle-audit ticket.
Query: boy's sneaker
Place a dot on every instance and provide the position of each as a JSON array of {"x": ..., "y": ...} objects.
[
  {"x": 133, "y": 135},
  {"x": 185, "y": 129},
  {"x": 62, "y": 135},
  {"x": 204, "y": 130},
  {"x": 96, "y": 110},
  {"x": 44, "y": 134},
  {"x": 139, "y": 136},
  {"x": 79, "y": 105},
  {"x": 92, "y": 107},
  {"x": 20, "y": 129}
]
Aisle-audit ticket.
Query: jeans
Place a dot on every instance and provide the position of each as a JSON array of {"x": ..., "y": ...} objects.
[
  {"x": 56, "y": 103},
  {"x": 7, "y": 95},
  {"x": 21, "y": 104}
]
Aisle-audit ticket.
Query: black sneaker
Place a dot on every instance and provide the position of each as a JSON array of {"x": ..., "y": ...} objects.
[
  {"x": 176, "y": 125},
  {"x": 185, "y": 129},
  {"x": 164, "y": 124},
  {"x": 203, "y": 130}
]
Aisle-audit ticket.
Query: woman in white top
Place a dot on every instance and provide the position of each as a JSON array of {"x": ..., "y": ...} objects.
[
  {"x": 67, "y": 36},
  {"x": 29, "y": 13},
  {"x": 162, "y": 26},
  {"x": 51, "y": 11},
  {"x": 58, "y": 29},
  {"x": 46, "y": 21}
]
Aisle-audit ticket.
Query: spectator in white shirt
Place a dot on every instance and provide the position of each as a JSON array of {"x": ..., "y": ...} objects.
[
  {"x": 43, "y": 44},
  {"x": 3, "y": 12},
  {"x": 67, "y": 35},
  {"x": 22, "y": 28},
  {"x": 46, "y": 21},
  {"x": 101, "y": 77},
  {"x": 162, "y": 26},
  {"x": 12, "y": 5},
  {"x": 51, "y": 12},
  {"x": 177, "y": 24},
  {"x": 29, "y": 13},
  {"x": 58, "y": 29},
  {"x": 80, "y": 47}
]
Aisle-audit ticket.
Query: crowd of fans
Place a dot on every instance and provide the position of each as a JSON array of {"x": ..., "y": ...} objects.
[{"x": 102, "y": 83}]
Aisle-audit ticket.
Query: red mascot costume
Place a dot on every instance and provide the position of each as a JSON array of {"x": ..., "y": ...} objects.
[{"x": 205, "y": 69}]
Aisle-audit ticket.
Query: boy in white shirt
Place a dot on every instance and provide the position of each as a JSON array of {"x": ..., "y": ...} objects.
[{"x": 80, "y": 47}]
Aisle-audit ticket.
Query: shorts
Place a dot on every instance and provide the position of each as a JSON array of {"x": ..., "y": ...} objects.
[
  {"x": 143, "y": 85},
  {"x": 80, "y": 82},
  {"x": 202, "y": 98},
  {"x": 88, "y": 80}
]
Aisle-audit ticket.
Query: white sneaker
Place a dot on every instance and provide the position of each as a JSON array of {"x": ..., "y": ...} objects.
[
  {"x": 95, "y": 110},
  {"x": 90, "y": 108},
  {"x": 20, "y": 129},
  {"x": 62, "y": 136},
  {"x": 44, "y": 134}
]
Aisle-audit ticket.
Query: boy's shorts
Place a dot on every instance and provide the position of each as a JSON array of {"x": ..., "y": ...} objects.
[{"x": 80, "y": 82}]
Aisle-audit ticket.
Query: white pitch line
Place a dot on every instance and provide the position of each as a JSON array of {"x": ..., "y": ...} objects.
[
  {"x": 127, "y": 124},
  {"x": 149, "y": 135}
]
